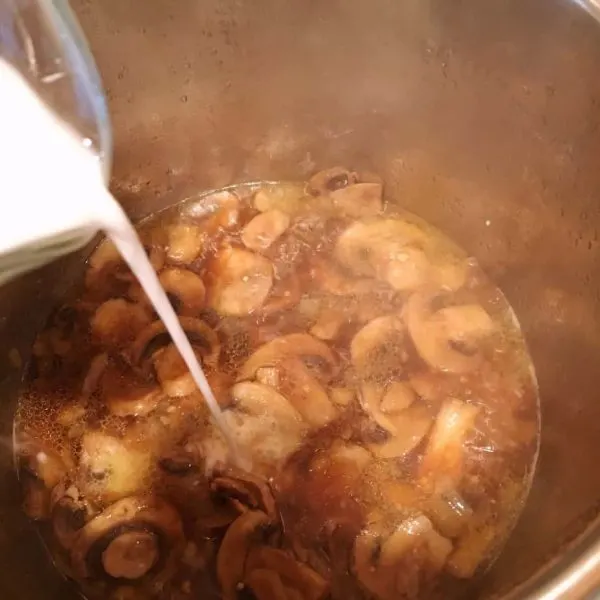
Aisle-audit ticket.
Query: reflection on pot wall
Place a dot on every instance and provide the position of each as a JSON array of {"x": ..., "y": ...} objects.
[{"x": 483, "y": 117}]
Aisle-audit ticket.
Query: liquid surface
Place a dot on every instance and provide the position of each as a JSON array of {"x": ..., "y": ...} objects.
[{"x": 373, "y": 375}]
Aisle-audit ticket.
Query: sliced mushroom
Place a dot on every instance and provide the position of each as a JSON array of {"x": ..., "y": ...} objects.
[
  {"x": 173, "y": 373},
  {"x": 286, "y": 198},
  {"x": 304, "y": 392},
  {"x": 472, "y": 550},
  {"x": 242, "y": 283},
  {"x": 293, "y": 574},
  {"x": 443, "y": 459},
  {"x": 333, "y": 281},
  {"x": 409, "y": 428},
  {"x": 110, "y": 468},
  {"x": 369, "y": 247},
  {"x": 245, "y": 531},
  {"x": 449, "y": 512},
  {"x": 184, "y": 243},
  {"x": 360, "y": 199},
  {"x": 251, "y": 491},
  {"x": 300, "y": 345},
  {"x": 330, "y": 180},
  {"x": 257, "y": 398},
  {"x": 397, "y": 396},
  {"x": 264, "y": 229},
  {"x": 390, "y": 565},
  {"x": 186, "y": 287},
  {"x": 378, "y": 349},
  {"x": 70, "y": 512},
  {"x": 117, "y": 322},
  {"x": 126, "y": 393},
  {"x": 155, "y": 336},
  {"x": 329, "y": 323},
  {"x": 447, "y": 340},
  {"x": 134, "y": 538},
  {"x": 342, "y": 396}
]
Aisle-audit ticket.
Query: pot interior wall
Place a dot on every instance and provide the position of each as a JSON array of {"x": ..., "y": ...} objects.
[{"x": 483, "y": 118}]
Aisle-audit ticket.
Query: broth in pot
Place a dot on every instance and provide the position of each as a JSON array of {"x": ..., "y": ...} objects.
[{"x": 375, "y": 380}]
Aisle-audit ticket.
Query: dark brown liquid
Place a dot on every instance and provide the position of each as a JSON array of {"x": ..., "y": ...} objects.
[{"x": 392, "y": 418}]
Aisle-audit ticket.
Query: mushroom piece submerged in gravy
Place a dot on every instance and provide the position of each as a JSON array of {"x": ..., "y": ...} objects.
[{"x": 374, "y": 376}]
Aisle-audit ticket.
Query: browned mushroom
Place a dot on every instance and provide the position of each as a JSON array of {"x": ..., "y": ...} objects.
[
  {"x": 242, "y": 282},
  {"x": 298, "y": 345},
  {"x": 155, "y": 336},
  {"x": 447, "y": 340},
  {"x": 378, "y": 349},
  {"x": 117, "y": 322},
  {"x": 330, "y": 180},
  {"x": 245, "y": 531},
  {"x": 186, "y": 287},
  {"x": 135, "y": 538},
  {"x": 172, "y": 372},
  {"x": 264, "y": 229},
  {"x": 70, "y": 512},
  {"x": 443, "y": 460},
  {"x": 111, "y": 468}
]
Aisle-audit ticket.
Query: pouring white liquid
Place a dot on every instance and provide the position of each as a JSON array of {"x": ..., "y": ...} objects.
[{"x": 56, "y": 200}]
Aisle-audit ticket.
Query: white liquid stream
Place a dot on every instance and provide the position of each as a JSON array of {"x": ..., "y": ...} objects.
[{"x": 55, "y": 200}]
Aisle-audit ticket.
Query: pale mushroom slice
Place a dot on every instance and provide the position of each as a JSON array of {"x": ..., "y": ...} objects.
[
  {"x": 390, "y": 565},
  {"x": 184, "y": 243},
  {"x": 172, "y": 373},
  {"x": 294, "y": 380},
  {"x": 244, "y": 532},
  {"x": 186, "y": 287},
  {"x": 359, "y": 200},
  {"x": 449, "y": 339},
  {"x": 264, "y": 229},
  {"x": 368, "y": 247},
  {"x": 135, "y": 538},
  {"x": 443, "y": 459},
  {"x": 117, "y": 322},
  {"x": 300, "y": 345},
  {"x": 242, "y": 283},
  {"x": 378, "y": 349}
]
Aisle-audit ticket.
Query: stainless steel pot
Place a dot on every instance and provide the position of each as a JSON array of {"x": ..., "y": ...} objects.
[{"x": 484, "y": 118}]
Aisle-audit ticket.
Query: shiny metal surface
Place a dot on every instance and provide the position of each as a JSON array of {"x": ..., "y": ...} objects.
[{"x": 482, "y": 115}]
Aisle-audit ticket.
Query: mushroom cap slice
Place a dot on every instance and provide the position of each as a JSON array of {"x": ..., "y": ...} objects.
[
  {"x": 187, "y": 288},
  {"x": 438, "y": 336},
  {"x": 378, "y": 349},
  {"x": 242, "y": 282},
  {"x": 117, "y": 322},
  {"x": 367, "y": 247},
  {"x": 300, "y": 345},
  {"x": 264, "y": 229},
  {"x": 303, "y": 391},
  {"x": 444, "y": 456},
  {"x": 266, "y": 585},
  {"x": 135, "y": 537},
  {"x": 330, "y": 180},
  {"x": 285, "y": 197},
  {"x": 245, "y": 531},
  {"x": 126, "y": 393},
  {"x": 184, "y": 243},
  {"x": 155, "y": 337},
  {"x": 251, "y": 491}
]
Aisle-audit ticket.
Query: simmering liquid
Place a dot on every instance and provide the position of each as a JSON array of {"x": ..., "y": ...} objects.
[{"x": 374, "y": 381}]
